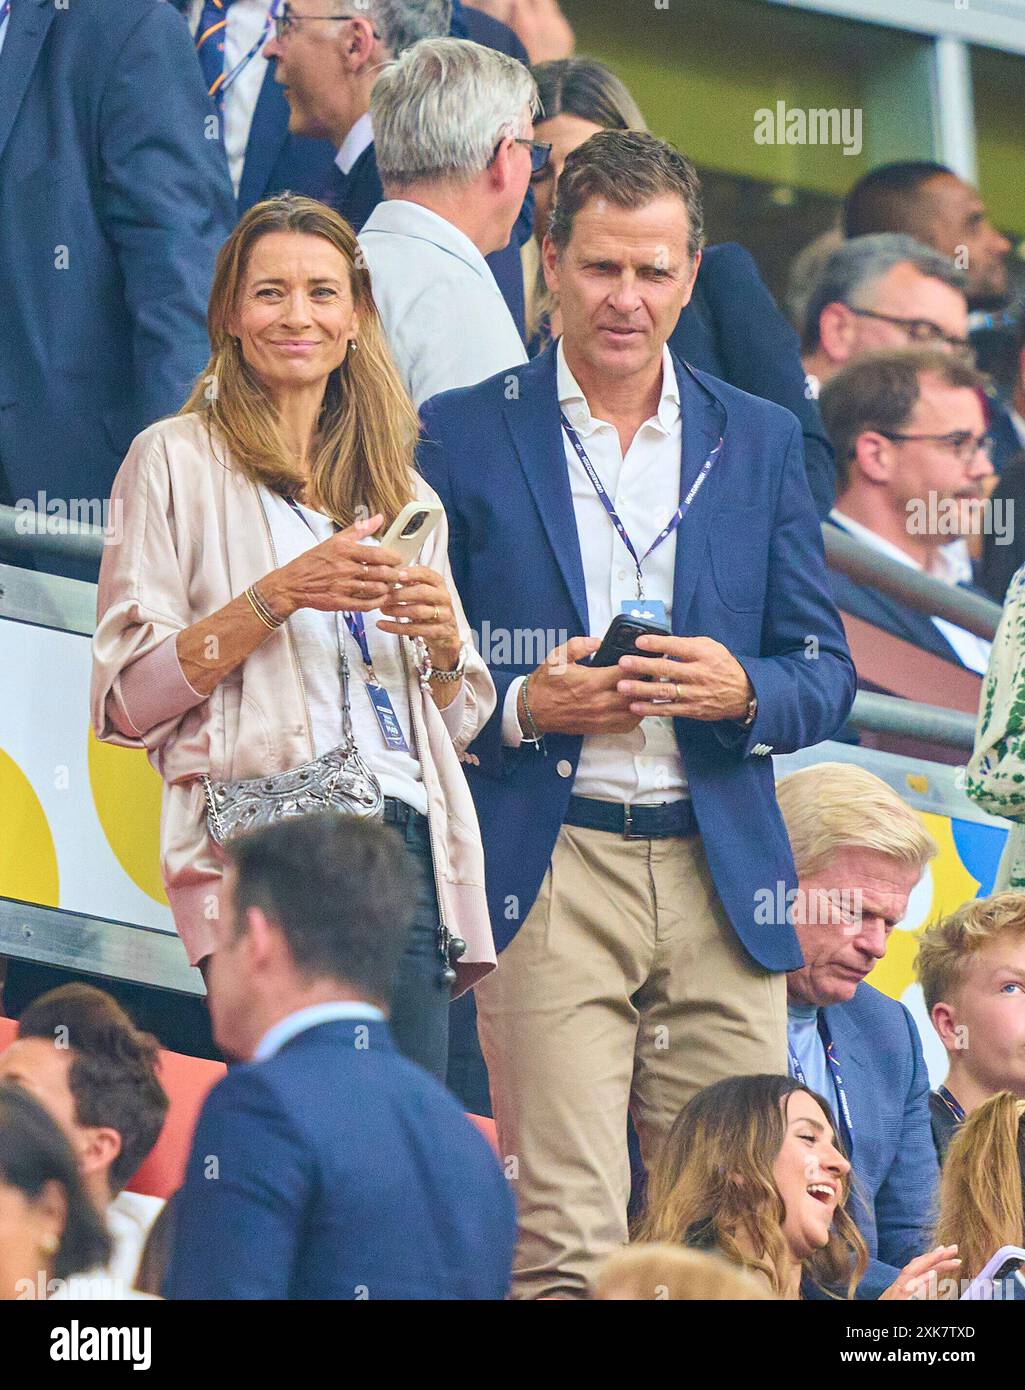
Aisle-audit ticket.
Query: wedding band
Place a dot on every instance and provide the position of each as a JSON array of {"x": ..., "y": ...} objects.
[
  {"x": 437, "y": 613},
  {"x": 679, "y": 691}
]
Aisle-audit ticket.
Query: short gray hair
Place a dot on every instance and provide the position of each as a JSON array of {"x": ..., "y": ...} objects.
[
  {"x": 402, "y": 23},
  {"x": 855, "y": 267},
  {"x": 439, "y": 110}
]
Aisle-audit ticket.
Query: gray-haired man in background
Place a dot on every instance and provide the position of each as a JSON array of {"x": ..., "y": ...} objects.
[
  {"x": 453, "y": 130},
  {"x": 880, "y": 292}
]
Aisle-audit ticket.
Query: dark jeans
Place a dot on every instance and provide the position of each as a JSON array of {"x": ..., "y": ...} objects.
[{"x": 419, "y": 1014}]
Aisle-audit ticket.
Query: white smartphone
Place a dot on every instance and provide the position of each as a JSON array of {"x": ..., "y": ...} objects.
[{"x": 410, "y": 529}]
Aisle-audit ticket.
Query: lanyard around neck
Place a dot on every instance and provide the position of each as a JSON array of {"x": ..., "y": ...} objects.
[
  {"x": 614, "y": 516},
  {"x": 833, "y": 1062}
]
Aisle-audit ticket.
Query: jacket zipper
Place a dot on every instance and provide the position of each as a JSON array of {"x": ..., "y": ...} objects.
[{"x": 287, "y": 632}]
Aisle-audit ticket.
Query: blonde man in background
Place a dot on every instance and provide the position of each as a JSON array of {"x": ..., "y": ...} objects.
[
  {"x": 971, "y": 966},
  {"x": 859, "y": 851}
]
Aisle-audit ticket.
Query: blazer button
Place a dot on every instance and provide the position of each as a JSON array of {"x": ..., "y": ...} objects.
[{"x": 564, "y": 768}]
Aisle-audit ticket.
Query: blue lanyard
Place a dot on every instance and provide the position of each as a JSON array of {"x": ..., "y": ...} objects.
[
  {"x": 353, "y": 621},
  {"x": 833, "y": 1062},
  {"x": 613, "y": 515},
  {"x": 953, "y": 1105}
]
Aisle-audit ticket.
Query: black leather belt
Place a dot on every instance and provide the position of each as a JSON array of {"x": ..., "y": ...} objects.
[
  {"x": 633, "y": 822},
  {"x": 401, "y": 813}
]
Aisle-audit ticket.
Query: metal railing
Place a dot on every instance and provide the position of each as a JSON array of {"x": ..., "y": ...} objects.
[
  {"x": 31, "y": 532},
  {"x": 909, "y": 586}
]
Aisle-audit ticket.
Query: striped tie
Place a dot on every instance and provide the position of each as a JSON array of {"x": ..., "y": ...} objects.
[{"x": 213, "y": 24}]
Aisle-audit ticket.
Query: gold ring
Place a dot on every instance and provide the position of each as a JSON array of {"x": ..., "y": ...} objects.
[
  {"x": 679, "y": 691},
  {"x": 437, "y": 613}
]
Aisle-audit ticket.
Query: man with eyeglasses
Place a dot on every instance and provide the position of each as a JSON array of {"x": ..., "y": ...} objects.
[
  {"x": 909, "y": 431},
  {"x": 878, "y": 292},
  {"x": 453, "y": 131}
]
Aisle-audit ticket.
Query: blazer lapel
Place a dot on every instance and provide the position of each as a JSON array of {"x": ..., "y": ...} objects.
[
  {"x": 26, "y": 29},
  {"x": 534, "y": 424},
  {"x": 704, "y": 423},
  {"x": 267, "y": 137}
]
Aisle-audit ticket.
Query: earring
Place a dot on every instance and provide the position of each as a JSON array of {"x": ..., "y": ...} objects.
[
  {"x": 353, "y": 345},
  {"x": 49, "y": 1244}
]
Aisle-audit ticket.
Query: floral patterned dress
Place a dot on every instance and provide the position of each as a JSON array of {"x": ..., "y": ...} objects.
[{"x": 996, "y": 772}]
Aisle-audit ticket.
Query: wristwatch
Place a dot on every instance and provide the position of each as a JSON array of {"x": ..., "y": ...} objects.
[
  {"x": 752, "y": 710},
  {"x": 456, "y": 674}
]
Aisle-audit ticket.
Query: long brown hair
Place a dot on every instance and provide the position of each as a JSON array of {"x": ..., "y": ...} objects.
[
  {"x": 712, "y": 1180},
  {"x": 367, "y": 431},
  {"x": 981, "y": 1199}
]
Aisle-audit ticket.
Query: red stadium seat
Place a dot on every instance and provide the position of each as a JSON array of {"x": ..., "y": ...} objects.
[
  {"x": 487, "y": 1128},
  {"x": 186, "y": 1081}
]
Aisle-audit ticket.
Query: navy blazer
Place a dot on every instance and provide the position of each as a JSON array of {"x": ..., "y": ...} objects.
[
  {"x": 893, "y": 1155},
  {"x": 733, "y": 329},
  {"x": 873, "y": 606},
  {"x": 113, "y": 208},
  {"x": 344, "y": 1172},
  {"x": 749, "y": 572}
]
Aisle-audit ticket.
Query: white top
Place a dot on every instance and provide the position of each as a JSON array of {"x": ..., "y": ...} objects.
[
  {"x": 316, "y": 644},
  {"x": 247, "y": 20},
  {"x": 444, "y": 316},
  {"x": 128, "y": 1218},
  {"x": 643, "y": 766},
  {"x": 972, "y": 651},
  {"x": 359, "y": 138},
  {"x": 312, "y": 1017}
]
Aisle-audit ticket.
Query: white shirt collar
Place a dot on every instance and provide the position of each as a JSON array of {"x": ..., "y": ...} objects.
[
  {"x": 400, "y": 217},
  {"x": 311, "y": 1017},
  {"x": 950, "y": 563},
  {"x": 359, "y": 138},
  {"x": 578, "y": 412}
]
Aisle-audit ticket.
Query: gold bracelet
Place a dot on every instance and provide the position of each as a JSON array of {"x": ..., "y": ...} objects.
[{"x": 262, "y": 611}]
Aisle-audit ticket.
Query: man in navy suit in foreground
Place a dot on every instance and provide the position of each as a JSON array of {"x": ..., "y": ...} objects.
[
  {"x": 860, "y": 850},
  {"x": 329, "y": 1166},
  {"x": 628, "y": 825}
]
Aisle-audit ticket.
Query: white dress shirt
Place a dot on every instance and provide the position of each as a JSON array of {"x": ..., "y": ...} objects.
[
  {"x": 316, "y": 643},
  {"x": 312, "y": 1017},
  {"x": 972, "y": 651},
  {"x": 128, "y": 1219},
  {"x": 642, "y": 767},
  {"x": 247, "y": 20},
  {"x": 359, "y": 138},
  {"x": 444, "y": 316}
]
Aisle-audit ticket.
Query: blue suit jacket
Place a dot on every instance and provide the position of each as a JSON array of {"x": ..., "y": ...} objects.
[
  {"x": 749, "y": 572},
  {"x": 733, "y": 329},
  {"x": 893, "y": 1154},
  {"x": 112, "y": 207},
  {"x": 344, "y": 1172}
]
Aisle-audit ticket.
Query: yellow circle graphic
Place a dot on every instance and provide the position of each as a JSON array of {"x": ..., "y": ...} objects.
[
  {"x": 126, "y": 794},
  {"x": 28, "y": 858}
]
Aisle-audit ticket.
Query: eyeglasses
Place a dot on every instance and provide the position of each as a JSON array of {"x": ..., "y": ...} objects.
[
  {"x": 286, "y": 20},
  {"x": 540, "y": 151},
  {"x": 919, "y": 330},
  {"x": 962, "y": 443}
]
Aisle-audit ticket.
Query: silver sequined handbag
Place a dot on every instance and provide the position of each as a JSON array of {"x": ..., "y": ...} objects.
[{"x": 338, "y": 781}]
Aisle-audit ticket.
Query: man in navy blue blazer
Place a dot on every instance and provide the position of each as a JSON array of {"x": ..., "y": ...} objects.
[
  {"x": 860, "y": 850},
  {"x": 628, "y": 826},
  {"x": 329, "y": 1166},
  {"x": 113, "y": 206}
]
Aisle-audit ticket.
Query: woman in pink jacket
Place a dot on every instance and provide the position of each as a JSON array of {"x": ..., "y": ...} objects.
[{"x": 245, "y": 523}]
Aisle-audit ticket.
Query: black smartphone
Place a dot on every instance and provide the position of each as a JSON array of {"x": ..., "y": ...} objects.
[{"x": 621, "y": 639}]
